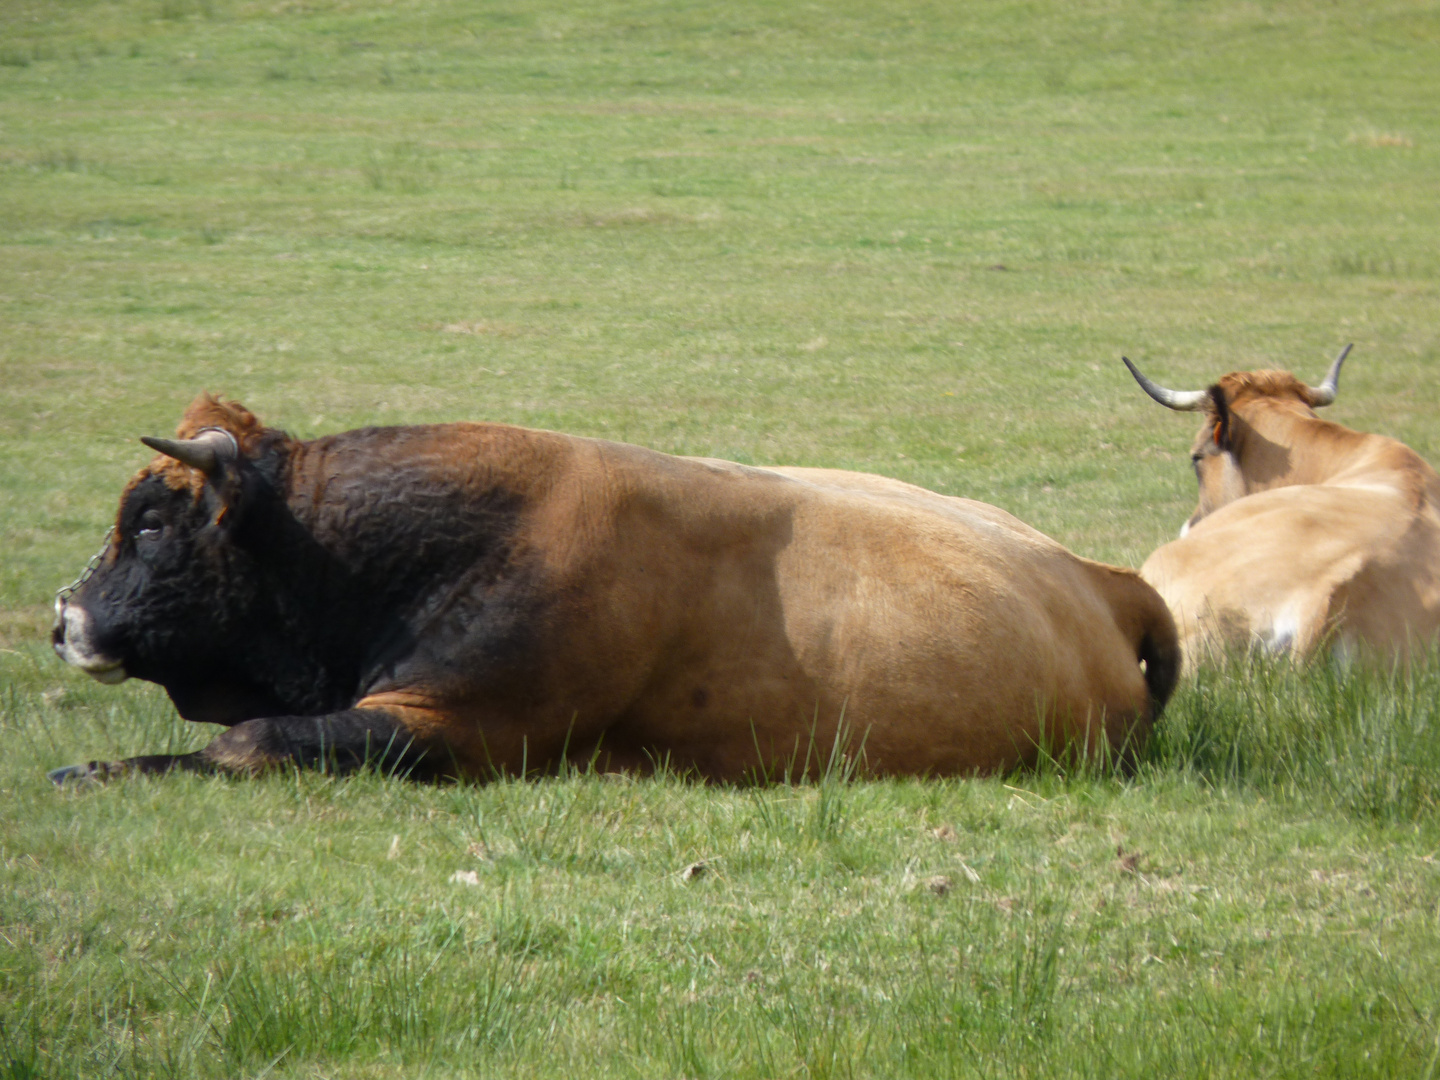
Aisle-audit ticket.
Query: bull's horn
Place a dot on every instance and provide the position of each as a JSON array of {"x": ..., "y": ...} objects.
[
  {"x": 1180, "y": 400},
  {"x": 1325, "y": 393},
  {"x": 207, "y": 451}
]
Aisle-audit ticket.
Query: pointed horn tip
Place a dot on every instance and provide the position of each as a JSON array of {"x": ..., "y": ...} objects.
[
  {"x": 1179, "y": 400},
  {"x": 1329, "y": 389},
  {"x": 171, "y": 448},
  {"x": 1135, "y": 371},
  {"x": 201, "y": 452}
]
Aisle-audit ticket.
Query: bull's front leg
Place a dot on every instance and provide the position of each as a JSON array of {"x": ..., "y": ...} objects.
[{"x": 343, "y": 741}]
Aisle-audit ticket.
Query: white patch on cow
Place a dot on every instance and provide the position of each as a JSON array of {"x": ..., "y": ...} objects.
[
  {"x": 1185, "y": 529},
  {"x": 1283, "y": 632},
  {"x": 76, "y": 647}
]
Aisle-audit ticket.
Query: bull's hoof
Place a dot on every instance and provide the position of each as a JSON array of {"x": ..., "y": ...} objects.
[{"x": 72, "y": 774}]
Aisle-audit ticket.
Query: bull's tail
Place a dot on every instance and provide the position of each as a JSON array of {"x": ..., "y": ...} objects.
[
  {"x": 1146, "y": 620},
  {"x": 1158, "y": 645},
  {"x": 1159, "y": 648}
]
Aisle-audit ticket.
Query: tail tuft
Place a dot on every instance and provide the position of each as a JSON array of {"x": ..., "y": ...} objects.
[
  {"x": 1146, "y": 621},
  {"x": 1160, "y": 649}
]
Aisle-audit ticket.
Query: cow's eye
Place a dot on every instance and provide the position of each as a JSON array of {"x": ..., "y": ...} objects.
[{"x": 151, "y": 525}]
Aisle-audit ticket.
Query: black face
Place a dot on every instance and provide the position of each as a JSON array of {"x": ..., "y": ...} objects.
[
  {"x": 168, "y": 601},
  {"x": 392, "y": 572},
  {"x": 231, "y": 603}
]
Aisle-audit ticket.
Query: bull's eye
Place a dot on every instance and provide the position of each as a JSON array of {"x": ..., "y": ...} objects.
[{"x": 151, "y": 525}]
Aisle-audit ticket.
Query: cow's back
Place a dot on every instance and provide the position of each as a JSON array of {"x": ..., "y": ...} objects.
[
  {"x": 1080, "y": 625},
  {"x": 1291, "y": 569}
]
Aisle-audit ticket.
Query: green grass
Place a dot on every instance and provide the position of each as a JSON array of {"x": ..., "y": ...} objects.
[
  {"x": 1225, "y": 913},
  {"x": 908, "y": 238}
]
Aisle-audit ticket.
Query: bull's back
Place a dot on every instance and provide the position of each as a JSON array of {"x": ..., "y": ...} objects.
[
  {"x": 729, "y": 618},
  {"x": 944, "y": 629}
]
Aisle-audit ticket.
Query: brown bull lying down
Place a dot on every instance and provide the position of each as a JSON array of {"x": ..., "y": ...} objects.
[
  {"x": 461, "y": 599},
  {"x": 1307, "y": 533}
]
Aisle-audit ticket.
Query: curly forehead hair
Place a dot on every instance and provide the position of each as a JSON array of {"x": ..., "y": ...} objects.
[
  {"x": 1267, "y": 384},
  {"x": 206, "y": 411}
]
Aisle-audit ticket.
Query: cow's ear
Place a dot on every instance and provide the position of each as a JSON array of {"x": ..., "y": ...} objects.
[{"x": 1219, "y": 410}]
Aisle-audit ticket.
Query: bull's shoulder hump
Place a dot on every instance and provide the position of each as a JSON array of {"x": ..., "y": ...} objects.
[
  {"x": 459, "y": 437},
  {"x": 453, "y": 453}
]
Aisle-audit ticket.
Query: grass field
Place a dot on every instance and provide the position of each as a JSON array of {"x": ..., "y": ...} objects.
[{"x": 907, "y": 238}]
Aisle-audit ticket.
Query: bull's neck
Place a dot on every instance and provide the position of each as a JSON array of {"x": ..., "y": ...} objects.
[
  {"x": 1280, "y": 446},
  {"x": 382, "y": 526}
]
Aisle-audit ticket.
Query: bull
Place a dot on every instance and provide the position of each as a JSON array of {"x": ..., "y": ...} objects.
[
  {"x": 462, "y": 600},
  {"x": 1307, "y": 534}
]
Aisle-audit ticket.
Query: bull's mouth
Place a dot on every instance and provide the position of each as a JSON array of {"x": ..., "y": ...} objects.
[
  {"x": 72, "y": 640},
  {"x": 100, "y": 668},
  {"x": 109, "y": 673}
]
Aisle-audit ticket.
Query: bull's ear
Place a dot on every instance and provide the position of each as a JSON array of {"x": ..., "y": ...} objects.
[{"x": 1219, "y": 410}]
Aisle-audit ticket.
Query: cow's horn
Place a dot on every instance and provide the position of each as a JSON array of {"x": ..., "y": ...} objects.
[
  {"x": 1325, "y": 393},
  {"x": 1181, "y": 400},
  {"x": 207, "y": 451}
]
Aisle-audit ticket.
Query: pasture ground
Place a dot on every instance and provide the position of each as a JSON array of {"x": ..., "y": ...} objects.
[{"x": 912, "y": 239}]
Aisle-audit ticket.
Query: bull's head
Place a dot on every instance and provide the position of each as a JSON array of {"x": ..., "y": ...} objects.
[
  {"x": 172, "y": 577},
  {"x": 1229, "y": 458}
]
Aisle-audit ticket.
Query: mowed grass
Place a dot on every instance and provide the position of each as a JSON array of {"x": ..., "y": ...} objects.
[{"x": 911, "y": 239}]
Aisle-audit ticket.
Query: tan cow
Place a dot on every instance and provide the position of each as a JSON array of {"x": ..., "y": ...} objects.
[
  {"x": 1307, "y": 533},
  {"x": 462, "y": 598}
]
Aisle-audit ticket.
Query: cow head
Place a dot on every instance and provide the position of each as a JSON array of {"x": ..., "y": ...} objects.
[
  {"x": 166, "y": 594},
  {"x": 1232, "y": 454}
]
